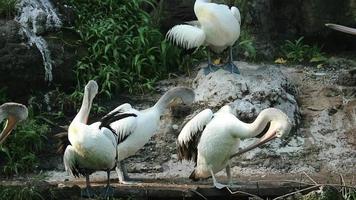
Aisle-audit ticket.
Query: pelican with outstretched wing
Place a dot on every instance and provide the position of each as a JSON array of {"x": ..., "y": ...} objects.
[
  {"x": 135, "y": 131},
  {"x": 217, "y": 27},
  {"x": 211, "y": 139}
]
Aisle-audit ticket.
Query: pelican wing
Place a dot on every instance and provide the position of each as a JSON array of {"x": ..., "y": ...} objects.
[
  {"x": 189, "y": 137},
  {"x": 186, "y": 36},
  {"x": 121, "y": 124},
  {"x": 121, "y": 108},
  {"x": 235, "y": 11},
  {"x": 71, "y": 165}
]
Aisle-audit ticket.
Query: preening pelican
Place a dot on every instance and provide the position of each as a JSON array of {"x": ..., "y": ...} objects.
[
  {"x": 14, "y": 113},
  {"x": 211, "y": 140},
  {"x": 92, "y": 147},
  {"x": 217, "y": 27},
  {"x": 135, "y": 131},
  {"x": 341, "y": 28}
]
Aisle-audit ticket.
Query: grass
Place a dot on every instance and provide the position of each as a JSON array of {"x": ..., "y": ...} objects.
[
  {"x": 7, "y": 8},
  {"x": 125, "y": 50},
  {"x": 298, "y": 52},
  {"x": 20, "y": 193}
]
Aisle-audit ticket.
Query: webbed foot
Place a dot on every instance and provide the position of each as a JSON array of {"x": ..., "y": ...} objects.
[
  {"x": 87, "y": 192},
  {"x": 219, "y": 185},
  {"x": 231, "y": 67},
  {"x": 107, "y": 192},
  {"x": 210, "y": 68}
]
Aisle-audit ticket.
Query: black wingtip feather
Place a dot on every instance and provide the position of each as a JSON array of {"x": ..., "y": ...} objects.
[
  {"x": 115, "y": 116},
  {"x": 63, "y": 142}
]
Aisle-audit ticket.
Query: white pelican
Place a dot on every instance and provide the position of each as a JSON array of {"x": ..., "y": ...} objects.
[
  {"x": 92, "y": 147},
  {"x": 134, "y": 132},
  {"x": 341, "y": 28},
  {"x": 14, "y": 113},
  {"x": 217, "y": 27},
  {"x": 211, "y": 140}
]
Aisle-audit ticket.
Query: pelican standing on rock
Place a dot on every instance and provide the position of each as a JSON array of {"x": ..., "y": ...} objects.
[
  {"x": 92, "y": 147},
  {"x": 14, "y": 113},
  {"x": 211, "y": 140},
  {"x": 135, "y": 131},
  {"x": 218, "y": 27},
  {"x": 341, "y": 28}
]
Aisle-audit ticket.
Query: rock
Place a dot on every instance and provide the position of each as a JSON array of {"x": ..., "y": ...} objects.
[
  {"x": 257, "y": 88},
  {"x": 21, "y": 64}
]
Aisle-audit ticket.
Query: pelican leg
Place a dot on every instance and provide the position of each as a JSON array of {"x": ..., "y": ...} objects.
[
  {"x": 228, "y": 173},
  {"x": 88, "y": 191},
  {"x": 216, "y": 183},
  {"x": 108, "y": 190},
  {"x": 210, "y": 68},
  {"x": 230, "y": 66},
  {"x": 122, "y": 174}
]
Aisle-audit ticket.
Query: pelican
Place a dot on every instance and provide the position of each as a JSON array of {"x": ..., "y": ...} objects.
[
  {"x": 218, "y": 27},
  {"x": 92, "y": 147},
  {"x": 135, "y": 131},
  {"x": 211, "y": 139},
  {"x": 341, "y": 28},
  {"x": 14, "y": 113}
]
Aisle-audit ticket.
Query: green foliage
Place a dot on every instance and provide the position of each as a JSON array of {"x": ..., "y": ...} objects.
[
  {"x": 125, "y": 49},
  {"x": 247, "y": 45},
  {"x": 348, "y": 193},
  {"x": 7, "y": 8},
  {"x": 298, "y": 52},
  {"x": 19, "y": 151},
  {"x": 20, "y": 193}
]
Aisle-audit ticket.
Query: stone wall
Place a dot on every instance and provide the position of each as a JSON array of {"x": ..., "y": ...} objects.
[{"x": 21, "y": 64}]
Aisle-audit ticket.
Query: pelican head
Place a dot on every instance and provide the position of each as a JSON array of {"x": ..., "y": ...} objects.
[
  {"x": 92, "y": 89},
  {"x": 280, "y": 125},
  {"x": 341, "y": 28},
  {"x": 14, "y": 113}
]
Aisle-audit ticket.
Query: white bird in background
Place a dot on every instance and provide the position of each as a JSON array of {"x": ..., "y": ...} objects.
[
  {"x": 135, "y": 131},
  {"x": 218, "y": 27},
  {"x": 92, "y": 147},
  {"x": 14, "y": 113},
  {"x": 341, "y": 28},
  {"x": 211, "y": 140}
]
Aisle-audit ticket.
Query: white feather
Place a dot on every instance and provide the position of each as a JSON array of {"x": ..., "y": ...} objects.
[
  {"x": 122, "y": 108},
  {"x": 195, "y": 125},
  {"x": 125, "y": 126},
  {"x": 69, "y": 159},
  {"x": 235, "y": 11},
  {"x": 187, "y": 36}
]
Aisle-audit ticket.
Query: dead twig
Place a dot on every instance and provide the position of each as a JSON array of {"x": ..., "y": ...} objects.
[
  {"x": 198, "y": 193},
  {"x": 310, "y": 178},
  {"x": 52, "y": 123},
  {"x": 298, "y": 191},
  {"x": 241, "y": 192}
]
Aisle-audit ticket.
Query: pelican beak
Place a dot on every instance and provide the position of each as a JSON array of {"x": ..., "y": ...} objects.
[
  {"x": 344, "y": 29},
  {"x": 9, "y": 126},
  {"x": 270, "y": 135}
]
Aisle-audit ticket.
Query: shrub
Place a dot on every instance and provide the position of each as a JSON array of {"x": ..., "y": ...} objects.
[
  {"x": 125, "y": 49},
  {"x": 7, "y": 8},
  {"x": 298, "y": 52}
]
